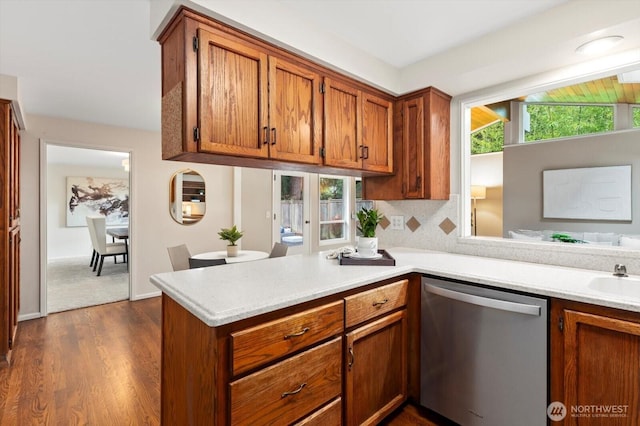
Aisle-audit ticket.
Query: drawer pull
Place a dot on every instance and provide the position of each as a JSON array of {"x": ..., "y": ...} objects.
[
  {"x": 351, "y": 357},
  {"x": 375, "y": 304},
  {"x": 293, "y": 392},
  {"x": 299, "y": 333}
]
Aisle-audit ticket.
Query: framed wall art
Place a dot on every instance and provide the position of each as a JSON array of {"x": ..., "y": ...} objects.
[
  {"x": 591, "y": 193},
  {"x": 91, "y": 196}
]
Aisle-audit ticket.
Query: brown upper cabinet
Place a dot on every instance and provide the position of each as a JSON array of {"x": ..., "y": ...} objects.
[
  {"x": 256, "y": 105},
  {"x": 358, "y": 129},
  {"x": 230, "y": 98},
  {"x": 421, "y": 160}
]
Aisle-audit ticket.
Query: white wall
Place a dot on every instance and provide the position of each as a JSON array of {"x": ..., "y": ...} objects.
[
  {"x": 524, "y": 164},
  {"x": 63, "y": 241},
  {"x": 152, "y": 229}
]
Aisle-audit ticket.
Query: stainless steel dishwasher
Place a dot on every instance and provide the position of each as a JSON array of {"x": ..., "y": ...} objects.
[{"x": 483, "y": 354}]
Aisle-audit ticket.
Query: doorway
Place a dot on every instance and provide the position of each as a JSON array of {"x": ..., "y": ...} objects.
[
  {"x": 78, "y": 182},
  {"x": 291, "y": 222}
]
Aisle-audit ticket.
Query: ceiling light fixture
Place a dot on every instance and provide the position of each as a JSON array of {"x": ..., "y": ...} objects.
[{"x": 599, "y": 45}]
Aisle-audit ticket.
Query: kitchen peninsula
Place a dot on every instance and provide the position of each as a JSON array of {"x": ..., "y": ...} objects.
[{"x": 285, "y": 332}]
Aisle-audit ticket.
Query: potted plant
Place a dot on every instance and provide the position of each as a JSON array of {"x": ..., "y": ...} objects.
[
  {"x": 368, "y": 221},
  {"x": 232, "y": 235}
]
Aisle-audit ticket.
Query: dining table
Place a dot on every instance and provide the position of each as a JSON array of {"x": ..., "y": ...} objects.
[
  {"x": 121, "y": 233},
  {"x": 243, "y": 256}
]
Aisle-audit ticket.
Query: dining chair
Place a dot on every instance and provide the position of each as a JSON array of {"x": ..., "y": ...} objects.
[
  {"x": 103, "y": 248},
  {"x": 278, "y": 250},
  {"x": 179, "y": 256},
  {"x": 94, "y": 244},
  {"x": 201, "y": 263}
]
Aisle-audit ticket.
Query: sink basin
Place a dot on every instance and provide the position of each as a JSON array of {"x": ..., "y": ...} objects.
[{"x": 620, "y": 286}]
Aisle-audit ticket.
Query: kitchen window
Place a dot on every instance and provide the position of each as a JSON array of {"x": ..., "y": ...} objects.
[{"x": 334, "y": 207}]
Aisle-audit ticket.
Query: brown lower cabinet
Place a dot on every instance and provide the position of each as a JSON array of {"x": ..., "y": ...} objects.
[
  {"x": 301, "y": 365},
  {"x": 595, "y": 364},
  {"x": 376, "y": 372}
]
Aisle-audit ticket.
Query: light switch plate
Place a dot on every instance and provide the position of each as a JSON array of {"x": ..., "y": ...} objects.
[{"x": 397, "y": 223}]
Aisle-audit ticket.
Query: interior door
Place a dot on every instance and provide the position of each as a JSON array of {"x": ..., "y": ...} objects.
[{"x": 291, "y": 222}]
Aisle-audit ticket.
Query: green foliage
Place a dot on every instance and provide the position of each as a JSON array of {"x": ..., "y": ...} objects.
[
  {"x": 564, "y": 238},
  {"x": 636, "y": 117},
  {"x": 488, "y": 139},
  {"x": 331, "y": 188},
  {"x": 368, "y": 219},
  {"x": 230, "y": 234},
  {"x": 557, "y": 121}
]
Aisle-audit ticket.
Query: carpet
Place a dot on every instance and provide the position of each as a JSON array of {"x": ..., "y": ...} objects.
[{"x": 71, "y": 283}]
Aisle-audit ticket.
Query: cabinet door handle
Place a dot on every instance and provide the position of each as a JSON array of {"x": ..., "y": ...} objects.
[
  {"x": 265, "y": 129},
  {"x": 418, "y": 182},
  {"x": 380, "y": 303},
  {"x": 365, "y": 152},
  {"x": 299, "y": 333},
  {"x": 352, "y": 357},
  {"x": 361, "y": 151},
  {"x": 293, "y": 392},
  {"x": 273, "y": 139}
]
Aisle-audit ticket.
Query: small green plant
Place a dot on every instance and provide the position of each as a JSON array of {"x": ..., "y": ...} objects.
[
  {"x": 230, "y": 234},
  {"x": 368, "y": 219},
  {"x": 564, "y": 238}
]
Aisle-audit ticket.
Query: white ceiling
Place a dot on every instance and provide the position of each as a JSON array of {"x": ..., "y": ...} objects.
[
  {"x": 58, "y": 154},
  {"x": 95, "y": 61}
]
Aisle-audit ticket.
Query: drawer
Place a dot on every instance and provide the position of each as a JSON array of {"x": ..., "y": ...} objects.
[
  {"x": 290, "y": 389},
  {"x": 328, "y": 415},
  {"x": 370, "y": 304},
  {"x": 259, "y": 345}
]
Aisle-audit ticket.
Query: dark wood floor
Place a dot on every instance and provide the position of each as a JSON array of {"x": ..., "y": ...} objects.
[{"x": 97, "y": 366}]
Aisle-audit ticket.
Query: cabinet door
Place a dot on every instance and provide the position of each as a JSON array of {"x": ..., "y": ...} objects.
[
  {"x": 14, "y": 283},
  {"x": 377, "y": 134},
  {"x": 232, "y": 97},
  {"x": 601, "y": 367},
  {"x": 342, "y": 125},
  {"x": 295, "y": 113},
  {"x": 376, "y": 364},
  {"x": 14, "y": 171},
  {"x": 413, "y": 147}
]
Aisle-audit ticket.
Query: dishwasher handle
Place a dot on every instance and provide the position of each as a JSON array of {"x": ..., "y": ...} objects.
[{"x": 503, "y": 305}]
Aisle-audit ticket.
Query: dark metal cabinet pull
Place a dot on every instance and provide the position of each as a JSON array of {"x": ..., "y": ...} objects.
[
  {"x": 273, "y": 139},
  {"x": 352, "y": 357},
  {"x": 380, "y": 303},
  {"x": 293, "y": 392},
  {"x": 299, "y": 333},
  {"x": 361, "y": 147},
  {"x": 266, "y": 135},
  {"x": 365, "y": 152}
]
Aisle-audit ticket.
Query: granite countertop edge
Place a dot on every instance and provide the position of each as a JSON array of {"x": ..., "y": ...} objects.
[{"x": 221, "y": 295}]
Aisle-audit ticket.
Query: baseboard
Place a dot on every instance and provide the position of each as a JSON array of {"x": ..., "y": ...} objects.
[
  {"x": 147, "y": 295},
  {"x": 26, "y": 317}
]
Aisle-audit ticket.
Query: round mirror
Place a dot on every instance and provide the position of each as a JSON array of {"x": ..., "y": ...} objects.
[{"x": 187, "y": 202}]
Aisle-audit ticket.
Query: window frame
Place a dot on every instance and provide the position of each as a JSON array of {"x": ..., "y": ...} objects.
[
  {"x": 348, "y": 200},
  {"x": 524, "y": 113}
]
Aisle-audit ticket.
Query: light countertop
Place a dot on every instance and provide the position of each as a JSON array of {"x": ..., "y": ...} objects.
[{"x": 223, "y": 294}]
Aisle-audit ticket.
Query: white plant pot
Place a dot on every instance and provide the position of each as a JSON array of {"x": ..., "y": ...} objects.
[
  {"x": 367, "y": 247},
  {"x": 232, "y": 251}
]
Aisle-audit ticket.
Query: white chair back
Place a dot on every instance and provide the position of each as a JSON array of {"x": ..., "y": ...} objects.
[
  {"x": 278, "y": 250},
  {"x": 100, "y": 231},
  {"x": 179, "y": 256},
  {"x": 92, "y": 232}
]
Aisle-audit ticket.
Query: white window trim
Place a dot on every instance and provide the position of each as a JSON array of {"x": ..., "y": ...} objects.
[{"x": 349, "y": 200}]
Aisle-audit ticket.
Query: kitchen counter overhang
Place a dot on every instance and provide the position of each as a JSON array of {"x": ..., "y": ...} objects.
[{"x": 224, "y": 294}]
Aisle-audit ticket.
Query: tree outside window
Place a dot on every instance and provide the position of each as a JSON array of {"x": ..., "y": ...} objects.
[{"x": 333, "y": 205}]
